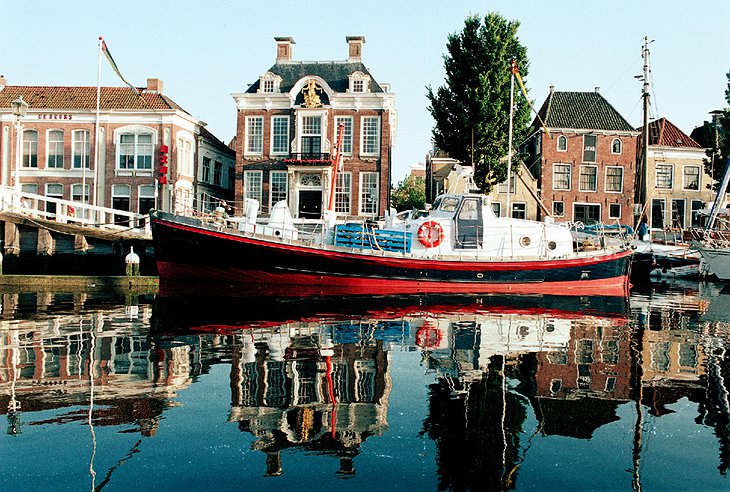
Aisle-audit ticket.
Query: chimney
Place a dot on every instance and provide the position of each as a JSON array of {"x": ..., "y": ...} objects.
[
  {"x": 3, "y": 82},
  {"x": 354, "y": 53},
  {"x": 154, "y": 86},
  {"x": 552, "y": 89},
  {"x": 283, "y": 49},
  {"x": 598, "y": 89}
]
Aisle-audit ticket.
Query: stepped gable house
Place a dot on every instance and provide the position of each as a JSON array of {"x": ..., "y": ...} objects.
[
  {"x": 288, "y": 122},
  {"x": 136, "y": 133},
  {"x": 586, "y": 162}
]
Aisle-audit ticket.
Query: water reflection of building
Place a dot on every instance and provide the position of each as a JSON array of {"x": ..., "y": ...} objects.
[
  {"x": 313, "y": 386},
  {"x": 50, "y": 364}
]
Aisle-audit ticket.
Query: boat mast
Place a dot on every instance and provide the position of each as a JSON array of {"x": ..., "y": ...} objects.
[
  {"x": 513, "y": 68},
  {"x": 642, "y": 170}
]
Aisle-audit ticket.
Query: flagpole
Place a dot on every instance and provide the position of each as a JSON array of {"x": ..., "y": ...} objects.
[
  {"x": 509, "y": 153},
  {"x": 96, "y": 125}
]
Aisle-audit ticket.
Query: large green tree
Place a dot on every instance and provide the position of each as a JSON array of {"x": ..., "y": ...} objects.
[
  {"x": 715, "y": 136},
  {"x": 472, "y": 109},
  {"x": 410, "y": 193}
]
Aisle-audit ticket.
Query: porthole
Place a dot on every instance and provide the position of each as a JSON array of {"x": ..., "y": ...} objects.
[
  {"x": 551, "y": 245},
  {"x": 525, "y": 241}
]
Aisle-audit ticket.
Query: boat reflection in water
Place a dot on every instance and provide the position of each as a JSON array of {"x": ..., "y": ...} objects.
[{"x": 506, "y": 391}]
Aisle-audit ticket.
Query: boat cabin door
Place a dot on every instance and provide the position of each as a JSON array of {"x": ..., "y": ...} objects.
[{"x": 469, "y": 224}]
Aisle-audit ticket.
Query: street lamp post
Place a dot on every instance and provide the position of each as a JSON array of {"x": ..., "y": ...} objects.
[{"x": 20, "y": 108}]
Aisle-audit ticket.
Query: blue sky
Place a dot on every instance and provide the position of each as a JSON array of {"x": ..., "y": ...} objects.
[{"x": 204, "y": 51}]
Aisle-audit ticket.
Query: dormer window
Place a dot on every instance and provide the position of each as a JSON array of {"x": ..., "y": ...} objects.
[
  {"x": 359, "y": 82},
  {"x": 269, "y": 83}
]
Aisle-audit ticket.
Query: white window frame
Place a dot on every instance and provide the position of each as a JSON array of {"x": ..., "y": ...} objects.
[
  {"x": 497, "y": 208},
  {"x": 30, "y": 148},
  {"x": 144, "y": 191},
  {"x": 523, "y": 211},
  {"x": 284, "y": 149},
  {"x": 185, "y": 155},
  {"x": 620, "y": 146},
  {"x": 76, "y": 189},
  {"x": 254, "y": 139},
  {"x": 368, "y": 137},
  {"x": 588, "y": 148},
  {"x": 52, "y": 149},
  {"x": 671, "y": 176},
  {"x": 570, "y": 176},
  {"x": 140, "y": 151},
  {"x": 285, "y": 175},
  {"x": 359, "y": 83},
  {"x": 580, "y": 175},
  {"x": 81, "y": 147},
  {"x": 252, "y": 184},
  {"x": 553, "y": 210},
  {"x": 346, "y": 135},
  {"x": 610, "y": 205},
  {"x": 343, "y": 193},
  {"x": 562, "y": 138},
  {"x": 372, "y": 192},
  {"x": 699, "y": 177},
  {"x": 606, "y": 180},
  {"x": 301, "y": 127}
]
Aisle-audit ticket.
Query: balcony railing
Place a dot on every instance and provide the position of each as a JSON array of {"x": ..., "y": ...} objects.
[{"x": 304, "y": 158}]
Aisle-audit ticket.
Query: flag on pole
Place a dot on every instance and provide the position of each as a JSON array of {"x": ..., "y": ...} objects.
[
  {"x": 516, "y": 72},
  {"x": 108, "y": 55}
]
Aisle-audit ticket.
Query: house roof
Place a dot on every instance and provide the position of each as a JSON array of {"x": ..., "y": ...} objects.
[
  {"x": 580, "y": 110},
  {"x": 80, "y": 98},
  {"x": 335, "y": 73},
  {"x": 215, "y": 142},
  {"x": 666, "y": 134}
]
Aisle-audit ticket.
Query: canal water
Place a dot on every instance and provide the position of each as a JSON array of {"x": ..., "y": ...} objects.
[{"x": 224, "y": 392}]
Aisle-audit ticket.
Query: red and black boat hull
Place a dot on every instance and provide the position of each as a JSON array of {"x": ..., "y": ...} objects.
[{"x": 190, "y": 253}]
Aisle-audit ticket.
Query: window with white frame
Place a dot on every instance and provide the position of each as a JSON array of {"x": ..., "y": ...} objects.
[
  {"x": 562, "y": 143},
  {"x": 135, "y": 151},
  {"x": 121, "y": 196},
  {"x": 53, "y": 190},
  {"x": 695, "y": 216},
  {"x": 311, "y": 136},
  {"x": 502, "y": 188},
  {"x": 369, "y": 193},
  {"x": 346, "y": 121},
  {"x": 358, "y": 86},
  {"x": 77, "y": 195},
  {"x": 252, "y": 184},
  {"x": 280, "y": 135},
  {"x": 588, "y": 178},
  {"x": 81, "y": 149},
  {"x": 664, "y": 175},
  {"x": 359, "y": 82},
  {"x": 185, "y": 156},
  {"x": 614, "y": 179},
  {"x": 497, "y": 208},
  {"x": 30, "y": 148},
  {"x": 614, "y": 210},
  {"x": 589, "y": 148},
  {"x": 519, "y": 210},
  {"x": 616, "y": 146},
  {"x": 558, "y": 209},
  {"x": 561, "y": 177},
  {"x": 55, "y": 149},
  {"x": 343, "y": 193},
  {"x": 254, "y": 135},
  {"x": 691, "y": 177},
  {"x": 278, "y": 187},
  {"x": 267, "y": 85},
  {"x": 145, "y": 198},
  {"x": 217, "y": 173},
  {"x": 370, "y": 135},
  {"x": 205, "y": 176}
]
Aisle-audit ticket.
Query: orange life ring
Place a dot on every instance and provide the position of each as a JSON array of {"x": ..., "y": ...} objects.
[
  {"x": 71, "y": 211},
  {"x": 431, "y": 234}
]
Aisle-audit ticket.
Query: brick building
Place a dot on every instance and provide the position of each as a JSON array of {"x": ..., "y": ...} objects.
[
  {"x": 287, "y": 131},
  {"x": 58, "y": 147},
  {"x": 586, "y": 162}
]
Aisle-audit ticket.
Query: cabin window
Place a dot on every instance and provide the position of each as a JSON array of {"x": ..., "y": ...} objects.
[
  {"x": 614, "y": 210},
  {"x": 558, "y": 209},
  {"x": 562, "y": 143},
  {"x": 616, "y": 146},
  {"x": 278, "y": 187},
  {"x": 55, "y": 149},
  {"x": 30, "y": 148},
  {"x": 280, "y": 135},
  {"x": 448, "y": 204},
  {"x": 664, "y": 174},
  {"x": 81, "y": 149},
  {"x": 561, "y": 177},
  {"x": 588, "y": 178},
  {"x": 589, "y": 148},
  {"x": 691, "y": 178},
  {"x": 614, "y": 179}
]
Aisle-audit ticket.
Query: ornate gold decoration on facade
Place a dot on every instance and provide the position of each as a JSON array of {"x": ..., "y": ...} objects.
[{"x": 311, "y": 99}]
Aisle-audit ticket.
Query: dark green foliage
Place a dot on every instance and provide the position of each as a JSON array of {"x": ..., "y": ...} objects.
[
  {"x": 715, "y": 136},
  {"x": 410, "y": 193},
  {"x": 472, "y": 109}
]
